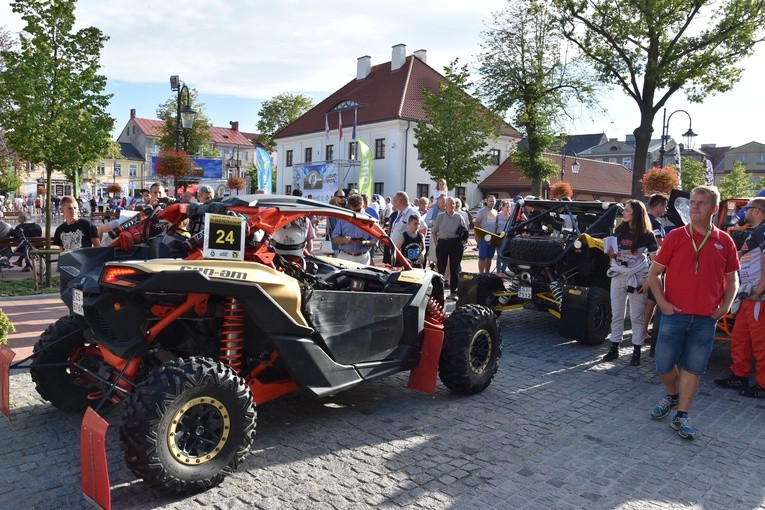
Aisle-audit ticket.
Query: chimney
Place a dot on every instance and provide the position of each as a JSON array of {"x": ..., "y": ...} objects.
[
  {"x": 132, "y": 113},
  {"x": 234, "y": 125},
  {"x": 398, "y": 57},
  {"x": 629, "y": 138},
  {"x": 363, "y": 67},
  {"x": 422, "y": 55}
]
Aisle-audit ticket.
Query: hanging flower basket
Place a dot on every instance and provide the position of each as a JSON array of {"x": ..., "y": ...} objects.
[
  {"x": 660, "y": 180},
  {"x": 237, "y": 183},
  {"x": 561, "y": 189},
  {"x": 114, "y": 188},
  {"x": 175, "y": 164},
  {"x": 41, "y": 190}
]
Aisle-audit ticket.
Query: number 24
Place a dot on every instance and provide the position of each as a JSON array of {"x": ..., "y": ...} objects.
[{"x": 224, "y": 237}]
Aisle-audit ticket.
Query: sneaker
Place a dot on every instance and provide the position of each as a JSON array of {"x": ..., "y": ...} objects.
[
  {"x": 733, "y": 382},
  {"x": 664, "y": 408},
  {"x": 683, "y": 427},
  {"x": 752, "y": 391}
]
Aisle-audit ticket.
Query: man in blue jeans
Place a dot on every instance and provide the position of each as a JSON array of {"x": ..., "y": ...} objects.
[{"x": 701, "y": 281}]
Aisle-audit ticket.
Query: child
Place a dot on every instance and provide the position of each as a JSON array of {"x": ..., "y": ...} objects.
[{"x": 413, "y": 242}]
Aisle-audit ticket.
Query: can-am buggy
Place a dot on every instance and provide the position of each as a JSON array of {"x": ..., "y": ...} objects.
[
  {"x": 556, "y": 262},
  {"x": 189, "y": 346}
]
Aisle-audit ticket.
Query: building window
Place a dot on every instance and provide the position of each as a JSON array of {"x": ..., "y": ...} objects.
[
  {"x": 612, "y": 160},
  {"x": 154, "y": 148},
  {"x": 133, "y": 170},
  {"x": 742, "y": 158},
  {"x": 101, "y": 168},
  {"x": 379, "y": 188},
  {"x": 288, "y": 157},
  {"x": 308, "y": 155},
  {"x": 627, "y": 163},
  {"x": 329, "y": 153},
  {"x": 420, "y": 155},
  {"x": 117, "y": 169},
  {"x": 288, "y": 189},
  {"x": 495, "y": 154},
  {"x": 380, "y": 148},
  {"x": 423, "y": 190},
  {"x": 352, "y": 150},
  {"x": 459, "y": 192},
  {"x": 761, "y": 159},
  {"x": 246, "y": 155}
]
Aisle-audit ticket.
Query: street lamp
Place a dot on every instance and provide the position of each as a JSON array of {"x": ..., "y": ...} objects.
[
  {"x": 233, "y": 162},
  {"x": 665, "y": 133},
  {"x": 574, "y": 166},
  {"x": 185, "y": 117}
]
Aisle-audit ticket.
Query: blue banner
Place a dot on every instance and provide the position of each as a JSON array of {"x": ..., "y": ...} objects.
[
  {"x": 203, "y": 168},
  {"x": 263, "y": 164},
  {"x": 320, "y": 181}
]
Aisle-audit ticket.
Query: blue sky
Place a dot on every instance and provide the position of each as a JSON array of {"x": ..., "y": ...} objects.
[{"x": 237, "y": 53}]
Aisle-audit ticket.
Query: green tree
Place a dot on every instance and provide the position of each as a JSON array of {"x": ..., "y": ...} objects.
[
  {"x": 10, "y": 182},
  {"x": 277, "y": 113},
  {"x": 455, "y": 139},
  {"x": 652, "y": 49},
  {"x": 526, "y": 71},
  {"x": 194, "y": 139},
  {"x": 736, "y": 184},
  {"x": 691, "y": 174},
  {"x": 58, "y": 115}
]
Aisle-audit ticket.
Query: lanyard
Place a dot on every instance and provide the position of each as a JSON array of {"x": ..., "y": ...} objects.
[{"x": 698, "y": 248}]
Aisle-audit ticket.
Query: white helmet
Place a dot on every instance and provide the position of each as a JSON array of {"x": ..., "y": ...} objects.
[{"x": 289, "y": 240}]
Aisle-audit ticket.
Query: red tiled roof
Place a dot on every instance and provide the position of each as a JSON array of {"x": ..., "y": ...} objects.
[
  {"x": 151, "y": 127},
  {"x": 594, "y": 177},
  {"x": 382, "y": 95}
]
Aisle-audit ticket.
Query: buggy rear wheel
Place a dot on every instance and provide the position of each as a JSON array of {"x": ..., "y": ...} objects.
[
  {"x": 187, "y": 425},
  {"x": 60, "y": 365},
  {"x": 471, "y": 351},
  {"x": 598, "y": 321}
]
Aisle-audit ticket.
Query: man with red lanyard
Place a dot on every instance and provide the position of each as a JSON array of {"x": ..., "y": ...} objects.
[{"x": 701, "y": 281}]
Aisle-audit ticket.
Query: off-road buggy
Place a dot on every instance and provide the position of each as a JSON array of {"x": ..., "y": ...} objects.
[
  {"x": 556, "y": 263},
  {"x": 188, "y": 347}
]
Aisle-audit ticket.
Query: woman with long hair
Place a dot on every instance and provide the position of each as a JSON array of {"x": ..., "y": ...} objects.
[
  {"x": 441, "y": 189},
  {"x": 629, "y": 272}
]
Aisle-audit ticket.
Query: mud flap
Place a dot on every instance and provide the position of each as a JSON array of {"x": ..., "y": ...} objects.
[
  {"x": 424, "y": 376},
  {"x": 6, "y": 356},
  {"x": 95, "y": 471},
  {"x": 573, "y": 320}
]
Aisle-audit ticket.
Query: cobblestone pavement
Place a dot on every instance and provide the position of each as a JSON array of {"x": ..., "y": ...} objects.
[{"x": 556, "y": 429}]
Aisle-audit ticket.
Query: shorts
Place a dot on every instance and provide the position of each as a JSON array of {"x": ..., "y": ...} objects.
[
  {"x": 685, "y": 340},
  {"x": 486, "y": 250}
]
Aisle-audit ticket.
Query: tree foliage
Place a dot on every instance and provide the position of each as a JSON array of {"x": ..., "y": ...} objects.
[
  {"x": 527, "y": 71},
  {"x": 191, "y": 140},
  {"x": 278, "y": 112},
  {"x": 52, "y": 83},
  {"x": 652, "y": 49},
  {"x": 454, "y": 140},
  {"x": 737, "y": 183},
  {"x": 691, "y": 174},
  {"x": 10, "y": 182}
]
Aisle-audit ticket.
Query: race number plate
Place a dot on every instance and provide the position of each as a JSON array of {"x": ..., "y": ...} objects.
[
  {"x": 224, "y": 237},
  {"x": 524, "y": 292},
  {"x": 77, "y": 302}
]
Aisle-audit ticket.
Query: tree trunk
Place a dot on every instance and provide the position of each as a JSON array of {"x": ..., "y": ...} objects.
[{"x": 642, "y": 142}]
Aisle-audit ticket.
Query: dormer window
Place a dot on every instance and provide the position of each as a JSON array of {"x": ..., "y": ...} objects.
[{"x": 614, "y": 148}]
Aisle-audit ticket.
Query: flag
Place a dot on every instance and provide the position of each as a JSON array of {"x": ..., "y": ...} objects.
[
  {"x": 679, "y": 163},
  {"x": 326, "y": 127},
  {"x": 355, "y": 118},
  {"x": 709, "y": 173},
  {"x": 366, "y": 178},
  {"x": 264, "y": 165},
  {"x": 340, "y": 124}
]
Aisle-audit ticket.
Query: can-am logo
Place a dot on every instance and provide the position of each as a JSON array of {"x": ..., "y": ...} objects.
[{"x": 217, "y": 273}]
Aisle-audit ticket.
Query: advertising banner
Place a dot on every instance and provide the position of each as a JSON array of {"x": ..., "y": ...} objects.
[
  {"x": 319, "y": 180},
  {"x": 203, "y": 168},
  {"x": 366, "y": 177},
  {"x": 264, "y": 166}
]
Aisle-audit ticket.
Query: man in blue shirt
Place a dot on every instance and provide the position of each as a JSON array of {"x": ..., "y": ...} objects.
[{"x": 352, "y": 242}]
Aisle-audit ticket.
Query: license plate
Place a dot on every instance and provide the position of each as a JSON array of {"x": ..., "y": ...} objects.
[
  {"x": 524, "y": 292},
  {"x": 77, "y": 302}
]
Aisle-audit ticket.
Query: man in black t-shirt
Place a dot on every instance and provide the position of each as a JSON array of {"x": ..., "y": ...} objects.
[{"x": 75, "y": 232}]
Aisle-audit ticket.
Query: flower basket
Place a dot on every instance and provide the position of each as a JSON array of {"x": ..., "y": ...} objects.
[
  {"x": 41, "y": 190},
  {"x": 237, "y": 183},
  {"x": 172, "y": 163},
  {"x": 660, "y": 180},
  {"x": 561, "y": 189},
  {"x": 114, "y": 188}
]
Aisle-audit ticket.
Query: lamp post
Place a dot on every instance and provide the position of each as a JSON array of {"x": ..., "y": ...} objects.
[
  {"x": 233, "y": 162},
  {"x": 574, "y": 166},
  {"x": 665, "y": 133},
  {"x": 184, "y": 118}
]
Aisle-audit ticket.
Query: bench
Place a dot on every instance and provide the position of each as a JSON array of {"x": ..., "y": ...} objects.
[
  {"x": 37, "y": 254},
  {"x": 103, "y": 216}
]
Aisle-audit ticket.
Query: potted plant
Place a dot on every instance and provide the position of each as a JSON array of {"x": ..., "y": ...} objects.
[
  {"x": 561, "y": 189},
  {"x": 660, "y": 180},
  {"x": 6, "y": 326},
  {"x": 114, "y": 188},
  {"x": 174, "y": 164},
  {"x": 237, "y": 183}
]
